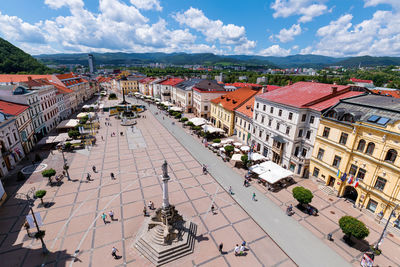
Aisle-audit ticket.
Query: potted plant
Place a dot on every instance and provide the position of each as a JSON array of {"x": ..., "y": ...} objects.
[
  {"x": 48, "y": 174},
  {"x": 40, "y": 194},
  {"x": 352, "y": 227}
]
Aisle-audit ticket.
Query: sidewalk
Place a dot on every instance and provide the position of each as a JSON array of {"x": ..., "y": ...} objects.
[{"x": 299, "y": 243}]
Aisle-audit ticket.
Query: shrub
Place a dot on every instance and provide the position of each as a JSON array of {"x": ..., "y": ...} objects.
[
  {"x": 73, "y": 134},
  {"x": 184, "y": 119},
  {"x": 49, "y": 173},
  {"x": 353, "y": 227},
  {"x": 68, "y": 145},
  {"x": 189, "y": 123},
  {"x": 196, "y": 128},
  {"x": 40, "y": 194},
  {"x": 229, "y": 149},
  {"x": 302, "y": 195},
  {"x": 178, "y": 115},
  {"x": 112, "y": 96},
  {"x": 245, "y": 160},
  {"x": 217, "y": 140}
]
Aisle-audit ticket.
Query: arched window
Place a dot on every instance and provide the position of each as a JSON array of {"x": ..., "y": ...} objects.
[
  {"x": 332, "y": 114},
  {"x": 361, "y": 145},
  {"x": 348, "y": 117},
  {"x": 370, "y": 148},
  {"x": 391, "y": 155}
]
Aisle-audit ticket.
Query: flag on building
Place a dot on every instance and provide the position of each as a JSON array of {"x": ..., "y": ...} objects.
[
  {"x": 344, "y": 175},
  {"x": 350, "y": 180},
  {"x": 356, "y": 183},
  {"x": 338, "y": 173}
]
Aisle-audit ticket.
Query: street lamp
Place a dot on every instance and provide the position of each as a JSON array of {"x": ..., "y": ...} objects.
[
  {"x": 65, "y": 163},
  {"x": 392, "y": 214},
  {"x": 40, "y": 234}
]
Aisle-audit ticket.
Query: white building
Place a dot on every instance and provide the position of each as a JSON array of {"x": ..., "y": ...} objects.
[
  {"x": 286, "y": 121},
  {"x": 203, "y": 93},
  {"x": 183, "y": 94}
]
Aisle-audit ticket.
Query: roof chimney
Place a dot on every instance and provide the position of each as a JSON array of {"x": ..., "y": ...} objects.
[
  {"x": 334, "y": 89},
  {"x": 264, "y": 89}
]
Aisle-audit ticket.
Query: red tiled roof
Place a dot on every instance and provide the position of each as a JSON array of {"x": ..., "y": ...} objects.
[
  {"x": 354, "y": 80},
  {"x": 334, "y": 100},
  {"x": 392, "y": 93},
  {"x": 303, "y": 94},
  {"x": 66, "y": 76},
  {"x": 272, "y": 88},
  {"x": 172, "y": 81},
  {"x": 147, "y": 80},
  {"x": 62, "y": 89},
  {"x": 12, "y": 108},
  {"x": 244, "y": 84},
  {"x": 248, "y": 107},
  {"x": 235, "y": 99},
  {"x": 7, "y": 78}
]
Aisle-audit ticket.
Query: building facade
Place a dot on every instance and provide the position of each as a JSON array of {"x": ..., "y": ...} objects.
[
  {"x": 356, "y": 152},
  {"x": 203, "y": 93},
  {"x": 183, "y": 93}
]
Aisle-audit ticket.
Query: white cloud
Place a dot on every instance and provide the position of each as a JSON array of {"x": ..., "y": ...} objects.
[
  {"x": 379, "y": 35},
  {"x": 215, "y": 30},
  {"x": 56, "y": 4},
  {"x": 275, "y": 50},
  {"x": 147, "y": 4},
  {"x": 287, "y": 35},
  {"x": 306, "y": 9},
  {"x": 114, "y": 10},
  {"x": 394, "y": 3}
]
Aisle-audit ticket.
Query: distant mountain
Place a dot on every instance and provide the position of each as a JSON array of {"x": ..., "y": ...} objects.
[
  {"x": 305, "y": 61},
  {"x": 14, "y": 60},
  {"x": 368, "y": 61}
]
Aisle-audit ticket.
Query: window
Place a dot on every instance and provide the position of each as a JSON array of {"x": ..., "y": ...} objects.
[
  {"x": 269, "y": 122},
  {"x": 308, "y": 135},
  {"x": 380, "y": 183},
  {"x": 260, "y": 133},
  {"x": 256, "y": 117},
  {"x": 326, "y": 132},
  {"x": 361, "y": 145},
  {"x": 244, "y": 125},
  {"x": 391, "y": 155},
  {"x": 264, "y": 107},
  {"x": 205, "y": 107},
  {"x": 278, "y": 125},
  {"x": 372, "y": 204},
  {"x": 300, "y": 133},
  {"x": 15, "y": 137},
  {"x": 315, "y": 172},
  {"x": 343, "y": 138},
  {"x": 248, "y": 128},
  {"x": 304, "y": 152},
  {"x": 296, "y": 151},
  {"x": 312, "y": 119},
  {"x": 290, "y": 115},
  {"x": 266, "y": 137},
  {"x": 236, "y": 120},
  {"x": 361, "y": 174},
  {"x": 280, "y": 112},
  {"x": 258, "y": 105},
  {"x": 353, "y": 169},
  {"x": 271, "y": 110},
  {"x": 287, "y": 130},
  {"x": 370, "y": 148},
  {"x": 304, "y": 117},
  {"x": 320, "y": 153},
  {"x": 262, "y": 119},
  {"x": 336, "y": 161}
]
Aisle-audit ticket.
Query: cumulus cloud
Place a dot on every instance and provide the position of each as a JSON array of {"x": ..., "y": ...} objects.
[
  {"x": 287, "y": 35},
  {"x": 306, "y": 9},
  {"x": 379, "y": 35},
  {"x": 147, "y": 4},
  {"x": 275, "y": 50},
  {"x": 394, "y": 3},
  {"x": 56, "y": 4},
  {"x": 215, "y": 30}
]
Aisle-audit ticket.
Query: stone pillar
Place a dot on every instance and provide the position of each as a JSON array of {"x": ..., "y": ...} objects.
[{"x": 165, "y": 179}]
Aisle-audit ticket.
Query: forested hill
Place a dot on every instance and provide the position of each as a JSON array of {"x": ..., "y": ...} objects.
[{"x": 14, "y": 60}]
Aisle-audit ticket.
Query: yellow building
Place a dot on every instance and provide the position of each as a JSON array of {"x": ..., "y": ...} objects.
[
  {"x": 356, "y": 152},
  {"x": 223, "y": 108},
  {"x": 129, "y": 84}
]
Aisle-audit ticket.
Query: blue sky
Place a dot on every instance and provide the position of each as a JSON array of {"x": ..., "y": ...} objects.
[{"x": 272, "y": 28}]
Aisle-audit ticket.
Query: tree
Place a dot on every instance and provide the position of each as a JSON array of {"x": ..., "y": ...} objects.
[
  {"x": 73, "y": 134},
  {"x": 112, "y": 96},
  {"x": 302, "y": 195},
  {"x": 40, "y": 194},
  {"x": 184, "y": 119},
  {"x": 217, "y": 140},
  {"x": 190, "y": 124},
  {"x": 353, "y": 227},
  {"x": 245, "y": 160},
  {"x": 49, "y": 173},
  {"x": 229, "y": 149}
]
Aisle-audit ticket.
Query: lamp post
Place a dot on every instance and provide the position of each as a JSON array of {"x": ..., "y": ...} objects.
[
  {"x": 40, "y": 234},
  {"x": 65, "y": 163},
  {"x": 384, "y": 229}
]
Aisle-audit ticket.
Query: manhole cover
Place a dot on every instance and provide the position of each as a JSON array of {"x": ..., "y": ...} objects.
[
  {"x": 34, "y": 168},
  {"x": 332, "y": 212}
]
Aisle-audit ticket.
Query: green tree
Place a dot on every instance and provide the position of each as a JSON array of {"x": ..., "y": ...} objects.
[
  {"x": 229, "y": 149},
  {"x": 353, "y": 227},
  {"x": 40, "y": 194},
  {"x": 73, "y": 134},
  {"x": 217, "y": 140},
  {"x": 48, "y": 174},
  {"x": 245, "y": 160},
  {"x": 302, "y": 195}
]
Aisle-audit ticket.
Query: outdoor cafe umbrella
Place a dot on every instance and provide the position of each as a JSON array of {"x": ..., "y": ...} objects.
[{"x": 245, "y": 148}]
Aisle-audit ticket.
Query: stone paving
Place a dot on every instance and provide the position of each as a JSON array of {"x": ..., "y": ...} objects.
[{"x": 75, "y": 233}]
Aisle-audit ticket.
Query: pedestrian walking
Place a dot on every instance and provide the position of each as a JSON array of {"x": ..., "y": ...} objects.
[
  {"x": 230, "y": 190},
  {"x": 253, "y": 196},
  {"x": 88, "y": 177},
  {"x": 102, "y": 139},
  {"x": 111, "y": 214},
  {"x": 241, "y": 250},
  {"x": 144, "y": 211},
  {"x": 212, "y": 209},
  {"x": 114, "y": 252},
  {"x": 112, "y": 176},
  {"x": 237, "y": 250},
  {"x": 244, "y": 183},
  {"x": 104, "y": 216},
  {"x": 94, "y": 168},
  {"x": 220, "y": 247}
]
